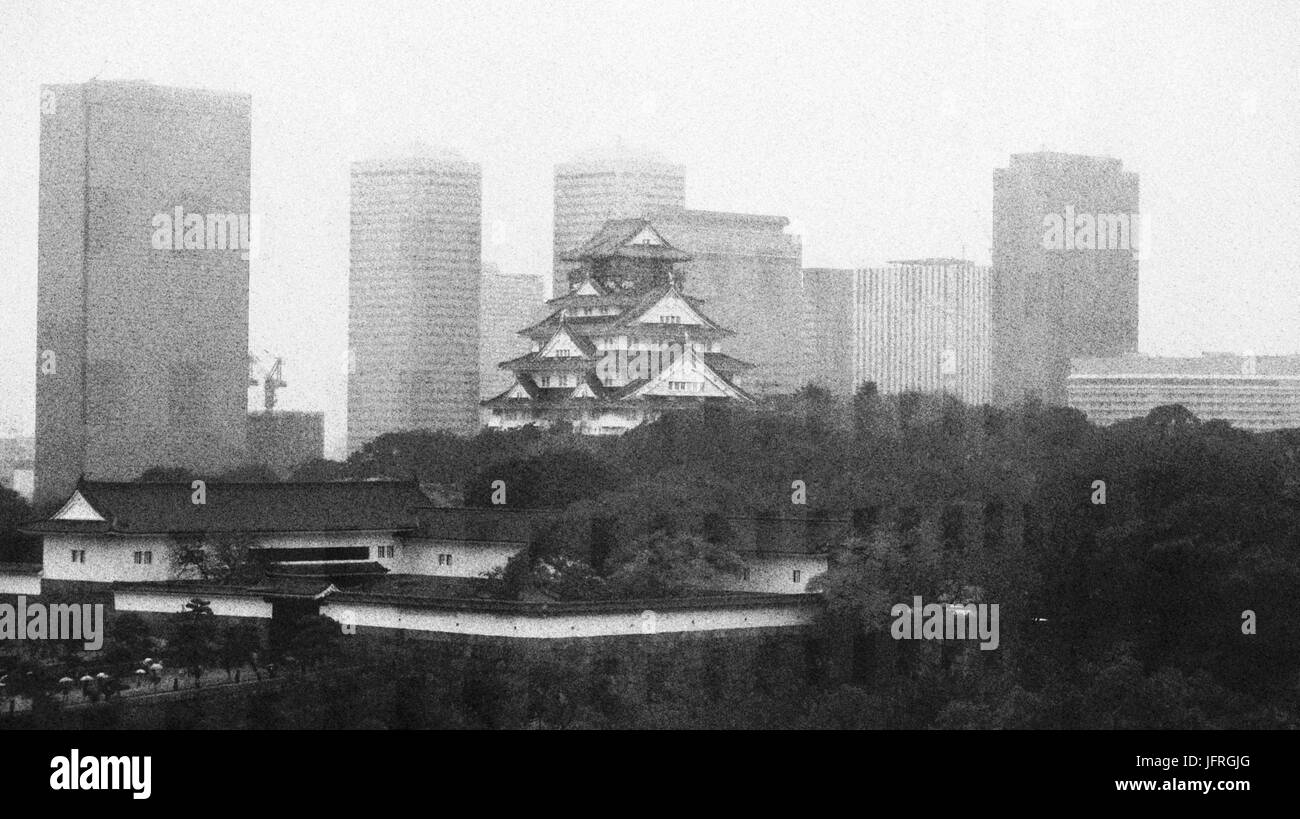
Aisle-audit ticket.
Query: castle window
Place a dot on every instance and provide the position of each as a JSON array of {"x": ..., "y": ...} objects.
[
  {"x": 78, "y": 555},
  {"x": 444, "y": 560},
  {"x": 670, "y": 319},
  {"x": 795, "y": 575}
]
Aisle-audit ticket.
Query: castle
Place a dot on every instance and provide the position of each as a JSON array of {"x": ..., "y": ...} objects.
[{"x": 622, "y": 346}]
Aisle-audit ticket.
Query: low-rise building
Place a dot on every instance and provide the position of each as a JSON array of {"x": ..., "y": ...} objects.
[
  {"x": 782, "y": 554},
  {"x": 373, "y": 554},
  {"x": 1256, "y": 393}
]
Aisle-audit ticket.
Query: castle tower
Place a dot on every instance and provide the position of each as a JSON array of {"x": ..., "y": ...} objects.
[{"x": 621, "y": 347}]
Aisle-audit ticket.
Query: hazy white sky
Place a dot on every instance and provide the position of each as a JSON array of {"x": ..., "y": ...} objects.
[{"x": 874, "y": 126}]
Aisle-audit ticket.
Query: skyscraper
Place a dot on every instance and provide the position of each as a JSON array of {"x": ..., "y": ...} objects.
[
  {"x": 1065, "y": 231},
  {"x": 413, "y": 311},
  {"x": 749, "y": 274},
  {"x": 509, "y": 302},
  {"x": 142, "y": 270},
  {"x": 829, "y": 301},
  {"x": 923, "y": 326},
  {"x": 588, "y": 193}
]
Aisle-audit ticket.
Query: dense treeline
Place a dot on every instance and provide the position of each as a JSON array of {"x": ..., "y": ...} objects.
[
  {"x": 1123, "y": 613},
  {"x": 1127, "y": 613}
]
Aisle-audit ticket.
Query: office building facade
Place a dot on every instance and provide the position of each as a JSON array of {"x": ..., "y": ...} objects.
[
  {"x": 923, "y": 326},
  {"x": 1257, "y": 393},
  {"x": 509, "y": 302},
  {"x": 414, "y": 286},
  {"x": 748, "y": 271},
  {"x": 1065, "y": 236},
  {"x": 142, "y": 279},
  {"x": 828, "y": 295}
]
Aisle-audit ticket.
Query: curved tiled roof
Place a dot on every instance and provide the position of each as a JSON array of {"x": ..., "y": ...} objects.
[
  {"x": 166, "y": 507},
  {"x": 613, "y": 239}
]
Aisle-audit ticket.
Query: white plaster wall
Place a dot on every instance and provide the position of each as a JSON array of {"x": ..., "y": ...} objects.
[
  {"x": 469, "y": 558},
  {"x": 775, "y": 573},
  {"x": 111, "y": 558},
  {"x": 108, "y": 558},
  {"x": 170, "y": 602},
  {"x": 569, "y": 625},
  {"x": 28, "y": 584}
]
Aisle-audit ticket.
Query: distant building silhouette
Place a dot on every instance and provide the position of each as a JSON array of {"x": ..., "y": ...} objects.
[
  {"x": 142, "y": 277},
  {"x": 923, "y": 326},
  {"x": 1258, "y": 393},
  {"x": 829, "y": 324},
  {"x": 1061, "y": 291},
  {"x": 413, "y": 309},
  {"x": 748, "y": 272},
  {"x": 507, "y": 301},
  {"x": 918, "y": 325},
  {"x": 284, "y": 439}
]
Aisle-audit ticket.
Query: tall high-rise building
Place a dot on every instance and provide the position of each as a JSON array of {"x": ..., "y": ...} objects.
[
  {"x": 413, "y": 311},
  {"x": 749, "y": 273},
  {"x": 829, "y": 301},
  {"x": 1065, "y": 232},
  {"x": 590, "y": 192},
  {"x": 142, "y": 278},
  {"x": 509, "y": 302},
  {"x": 923, "y": 326}
]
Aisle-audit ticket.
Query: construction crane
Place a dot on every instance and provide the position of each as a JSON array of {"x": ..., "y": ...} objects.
[
  {"x": 271, "y": 381},
  {"x": 274, "y": 380}
]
